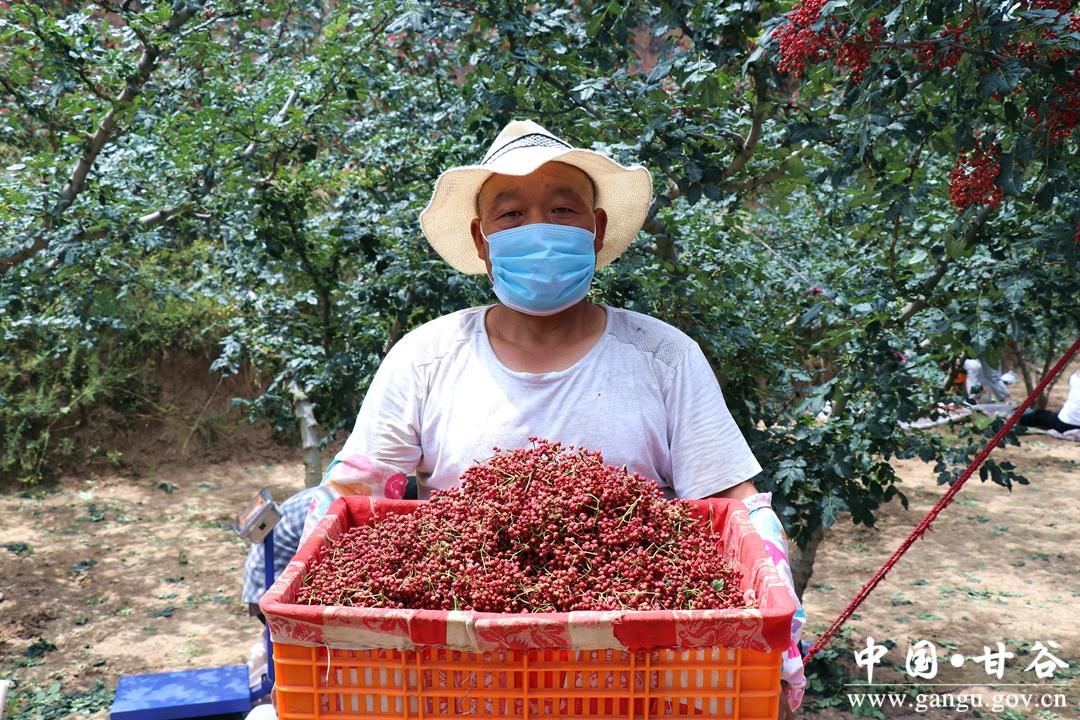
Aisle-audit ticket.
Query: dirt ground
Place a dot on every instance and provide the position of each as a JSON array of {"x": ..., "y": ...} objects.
[
  {"x": 997, "y": 566},
  {"x": 136, "y": 569}
]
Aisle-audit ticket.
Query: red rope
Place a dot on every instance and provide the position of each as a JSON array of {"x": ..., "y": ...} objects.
[{"x": 941, "y": 504}]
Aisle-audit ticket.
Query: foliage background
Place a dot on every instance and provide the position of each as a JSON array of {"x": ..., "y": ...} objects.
[{"x": 243, "y": 178}]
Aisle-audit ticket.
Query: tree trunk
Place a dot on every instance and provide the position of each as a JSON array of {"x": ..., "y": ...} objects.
[
  {"x": 309, "y": 437},
  {"x": 802, "y": 561}
]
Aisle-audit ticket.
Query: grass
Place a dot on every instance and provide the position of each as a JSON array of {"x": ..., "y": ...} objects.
[
  {"x": 51, "y": 702},
  {"x": 194, "y": 649},
  {"x": 859, "y": 547},
  {"x": 947, "y": 591},
  {"x": 19, "y": 549},
  {"x": 218, "y": 598}
]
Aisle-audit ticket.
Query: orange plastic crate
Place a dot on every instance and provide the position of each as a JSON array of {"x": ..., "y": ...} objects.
[{"x": 328, "y": 665}]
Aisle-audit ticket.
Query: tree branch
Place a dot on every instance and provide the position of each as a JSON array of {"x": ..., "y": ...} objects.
[
  {"x": 76, "y": 181},
  {"x": 147, "y": 61},
  {"x": 895, "y": 237},
  {"x": 146, "y": 221},
  {"x": 22, "y": 99},
  {"x": 919, "y": 304},
  {"x": 988, "y": 54},
  {"x": 210, "y": 21},
  {"x": 663, "y": 246},
  {"x": 753, "y": 183},
  {"x": 1029, "y": 383},
  {"x": 746, "y": 149},
  {"x": 278, "y": 116},
  {"x": 397, "y": 327},
  {"x": 1052, "y": 349}
]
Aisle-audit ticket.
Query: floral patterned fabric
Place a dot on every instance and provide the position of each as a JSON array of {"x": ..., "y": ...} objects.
[
  {"x": 768, "y": 526},
  {"x": 764, "y": 628}
]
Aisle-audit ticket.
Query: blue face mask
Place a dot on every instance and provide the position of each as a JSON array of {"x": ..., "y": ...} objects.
[{"x": 541, "y": 268}]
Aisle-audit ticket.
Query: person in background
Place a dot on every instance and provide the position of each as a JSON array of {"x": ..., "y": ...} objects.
[
  {"x": 992, "y": 381},
  {"x": 287, "y": 534},
  {"x": 1066, "y": 419}
]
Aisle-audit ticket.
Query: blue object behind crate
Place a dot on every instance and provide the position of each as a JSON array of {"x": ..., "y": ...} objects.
[
  {"x": 182, "y": 694},
  {"x": 195, "y": 693}
]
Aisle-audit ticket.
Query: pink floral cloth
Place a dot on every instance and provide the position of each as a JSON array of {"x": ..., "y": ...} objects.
[
  {"x": 764, "y": 628},
  {"x": 768, "y": 526},
  {"x": 353, "y": 474}
]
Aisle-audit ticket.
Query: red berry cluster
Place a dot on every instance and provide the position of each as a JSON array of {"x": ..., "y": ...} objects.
[
  {"x": 537, "y": 529},
  {"x": 1058, "y": 114},
  {"x": 854, "y": 52},
  {"x": 1062, "y": 6},
  {"x": 1061, "y": 113},
  {"x": 971, "y": 181},
  {"x": 801, "y": 45},
  {"x": 945, "y": 51}
]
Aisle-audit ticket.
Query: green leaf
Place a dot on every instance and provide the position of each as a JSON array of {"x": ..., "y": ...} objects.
[
  {"x": 82, "y": 566},
  {"x": 1002, "y": 78},
  {"x": 20, "y": 549},
  {"x": 39, "y": 648},
  {"x": 1012, "y": 114},
  {"x": 916, "y": 257}
]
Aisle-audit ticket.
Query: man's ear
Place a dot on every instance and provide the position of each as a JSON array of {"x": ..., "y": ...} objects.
[
  {"x": 480, "y": 243},
  {"x": 478, "y": 240},
  {"x": 601, "y": 227}
]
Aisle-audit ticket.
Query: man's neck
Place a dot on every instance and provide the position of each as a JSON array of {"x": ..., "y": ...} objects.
[
  {"x": 533, "y": 343},
  {"x": 522, "y": 329}
]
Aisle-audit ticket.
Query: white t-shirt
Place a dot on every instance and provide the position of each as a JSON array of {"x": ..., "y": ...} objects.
[
  {"x": 1070, "y": 411},
  {"x": 644, "y": 395}
]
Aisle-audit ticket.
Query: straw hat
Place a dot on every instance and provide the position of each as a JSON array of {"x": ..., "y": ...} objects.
[{"x": 523, "y": 146}]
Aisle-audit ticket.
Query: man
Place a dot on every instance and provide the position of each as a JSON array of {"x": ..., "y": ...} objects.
[{"x": 539, "y": 217}]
